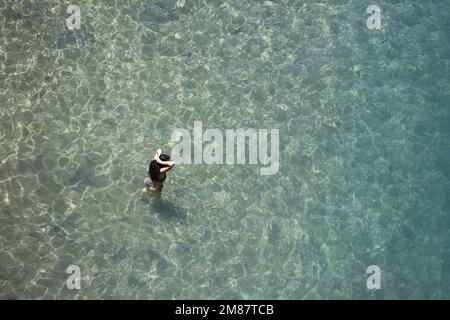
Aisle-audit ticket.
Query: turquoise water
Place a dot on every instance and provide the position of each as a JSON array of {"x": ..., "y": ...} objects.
[{"x": 364, "y": 124}]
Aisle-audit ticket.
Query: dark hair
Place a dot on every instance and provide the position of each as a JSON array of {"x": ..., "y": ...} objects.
[
  {"x": 164, "y": 157},
  {"x": 155, "y": 167},
  {"x": 153, "y": 170}
]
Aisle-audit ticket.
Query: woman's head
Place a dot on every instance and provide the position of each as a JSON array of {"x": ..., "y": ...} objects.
[
  {"x": 155, "y": 167},
  {"x": 164, "y": 157}
]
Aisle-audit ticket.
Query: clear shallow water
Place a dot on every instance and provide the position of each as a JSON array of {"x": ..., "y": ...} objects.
[{"x": 364, "y": 129}]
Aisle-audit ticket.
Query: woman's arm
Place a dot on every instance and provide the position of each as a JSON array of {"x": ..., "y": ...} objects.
[
  {"x": 169, "y": 164},
  {"x": 165, "y": 163},
  {"x": 157, "y": 154}
]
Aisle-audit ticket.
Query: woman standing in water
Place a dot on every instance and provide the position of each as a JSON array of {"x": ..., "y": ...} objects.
[{"x": 157, "y": 171}]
